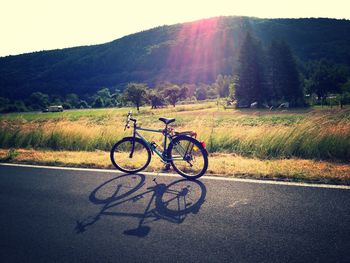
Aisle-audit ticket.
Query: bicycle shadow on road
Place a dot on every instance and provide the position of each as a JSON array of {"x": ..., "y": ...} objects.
[{"x": 171, "y": 202}]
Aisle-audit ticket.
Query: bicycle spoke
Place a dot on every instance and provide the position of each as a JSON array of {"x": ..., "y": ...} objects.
[
  {"x": 129, "y": 158},
  {"x": 188, "y": 158}
]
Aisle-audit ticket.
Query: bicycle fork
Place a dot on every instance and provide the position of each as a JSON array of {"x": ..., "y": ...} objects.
[{"x": 133, "y": 142}]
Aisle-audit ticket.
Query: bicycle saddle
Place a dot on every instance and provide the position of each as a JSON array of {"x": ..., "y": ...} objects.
[{"x": 167, "y": 120}]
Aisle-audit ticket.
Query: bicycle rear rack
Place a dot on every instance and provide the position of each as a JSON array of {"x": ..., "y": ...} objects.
[{"x": 187, "y": 133}]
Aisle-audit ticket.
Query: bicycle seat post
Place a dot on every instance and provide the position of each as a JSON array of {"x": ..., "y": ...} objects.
[{"x": 165, "y": 138}]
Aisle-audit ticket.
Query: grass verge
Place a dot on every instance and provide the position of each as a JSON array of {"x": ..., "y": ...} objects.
[
  {"x": 312, "y": 134},
  {"x": 220, "y": 164}
]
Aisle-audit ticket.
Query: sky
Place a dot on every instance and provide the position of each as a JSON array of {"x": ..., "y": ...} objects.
[{"x": 35, "y": 25}]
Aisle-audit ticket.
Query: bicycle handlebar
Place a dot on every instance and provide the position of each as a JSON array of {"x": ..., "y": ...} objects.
[{"x": 128, "y": 119}]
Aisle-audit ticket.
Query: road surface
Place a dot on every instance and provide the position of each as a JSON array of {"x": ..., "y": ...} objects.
[{"x": 78, "y": 215}]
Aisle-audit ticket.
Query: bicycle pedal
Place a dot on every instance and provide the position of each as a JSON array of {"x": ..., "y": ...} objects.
[{"x": 167, "y": 167}]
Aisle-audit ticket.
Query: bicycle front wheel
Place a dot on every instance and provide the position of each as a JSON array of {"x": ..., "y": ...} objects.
[
  {"x": 127, "y": 160},
  {"x": 188, "y": 157}
]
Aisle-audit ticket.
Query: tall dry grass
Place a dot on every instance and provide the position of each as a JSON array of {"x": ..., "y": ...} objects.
[{"x": 263, "y": 134}]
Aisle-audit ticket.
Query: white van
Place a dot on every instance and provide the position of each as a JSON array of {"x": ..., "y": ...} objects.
[{"x": 58, "y": 108}]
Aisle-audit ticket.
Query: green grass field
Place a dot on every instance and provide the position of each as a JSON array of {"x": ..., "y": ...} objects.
[{"x": 306, "y": 133}]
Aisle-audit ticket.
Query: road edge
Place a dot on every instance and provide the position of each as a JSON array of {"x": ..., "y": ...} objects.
[{"x": 205, "y": 177}]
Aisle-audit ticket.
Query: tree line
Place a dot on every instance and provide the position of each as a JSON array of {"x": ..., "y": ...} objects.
[
  {"x": 137, "y": 94},
  {"x": 265, "y": 77},
  {"x": 144, "y": 57},
  {"x": 271, "y": 76}
]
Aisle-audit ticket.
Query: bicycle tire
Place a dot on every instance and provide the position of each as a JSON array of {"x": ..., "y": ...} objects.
[
  {"x": 201, "y": 152},
  {"x": 141, "y": 148}
]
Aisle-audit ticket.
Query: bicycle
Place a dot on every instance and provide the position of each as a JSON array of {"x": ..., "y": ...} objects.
[{"x": 181, "y": 150}]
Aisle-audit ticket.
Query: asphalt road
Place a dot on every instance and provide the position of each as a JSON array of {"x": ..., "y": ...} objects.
[{"x": 54, "y": 215}]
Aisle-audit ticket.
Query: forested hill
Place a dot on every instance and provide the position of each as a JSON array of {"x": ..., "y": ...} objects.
[{"x": 182, "y": 53}]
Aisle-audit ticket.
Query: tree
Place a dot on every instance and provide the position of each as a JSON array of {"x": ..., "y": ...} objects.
[
  {"x": 7, "y": 106},
  {"x": 232, "y": 91},
  {"x": 66, "y": 106},
  {"x": 73, "y": 100},
  {"x": 344, "y": 97},
  {"x": 156, "y": 99},
  {"x": 222, "y": 84},
  {"x": 173, "y": 93},
  {"x": 212, "y": 92},
  {"x": 38, "y": 100},
  {"x": 117, "y": 98},
  {"x": 98, "y": 103},
  {"x": 106, "y": 97},
  {"x": 326, "y": 78},
  {"x": 83, "y": 104},
  {"x": 56, "y": 100},
  {"x": 190, "y": 89},
  {"x": 104, "y": 93},
  {"x": 250, "y": 86},
  {"x": 283, "y": 74},
  {"x": 4, "y": 102},
  {"x": 201, "y": 92},
  {"x": 136, "y": 93},
  {"x": 20, "y": 106}
]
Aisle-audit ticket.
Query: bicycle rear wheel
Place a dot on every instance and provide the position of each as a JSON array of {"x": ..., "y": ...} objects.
[
  {"x": 188, "y": 157},
  {"x": 128, "y": 162}
]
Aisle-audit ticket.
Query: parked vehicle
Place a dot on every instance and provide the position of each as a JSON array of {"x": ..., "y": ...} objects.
[{"x": 57, "y": 108}]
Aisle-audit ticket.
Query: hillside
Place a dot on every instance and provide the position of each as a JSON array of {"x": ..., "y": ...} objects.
[{"x": 182, "y": 53}]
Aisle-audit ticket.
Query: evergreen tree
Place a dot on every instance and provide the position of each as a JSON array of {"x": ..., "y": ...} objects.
[
  {"x": 283, "y": 74},
  {"x": 250, "y": 86}
]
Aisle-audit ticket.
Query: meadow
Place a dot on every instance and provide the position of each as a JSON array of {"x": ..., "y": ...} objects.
[
  {"x": 263, "y": 135},
  {"x": 312, "y": 134}
]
